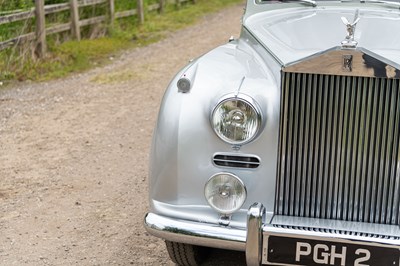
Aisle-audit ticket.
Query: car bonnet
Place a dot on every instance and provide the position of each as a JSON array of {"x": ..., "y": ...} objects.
[{"x": 294, "y": 34}]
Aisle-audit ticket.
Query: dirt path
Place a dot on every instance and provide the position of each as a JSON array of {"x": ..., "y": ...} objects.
[{"x": 74, "y": 155}]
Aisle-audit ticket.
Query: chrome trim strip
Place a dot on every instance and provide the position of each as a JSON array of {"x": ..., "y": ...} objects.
[
  {"x": 255, "y": 218},
  {"x": 388, "y": 3},
  {"x": 336, "y": 225},
  {"x": 195, "y": 233},
  {"x": 312, "y": 3}
]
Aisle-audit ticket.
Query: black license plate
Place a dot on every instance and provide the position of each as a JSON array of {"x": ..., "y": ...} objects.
[{"x": 297, "y": 251}]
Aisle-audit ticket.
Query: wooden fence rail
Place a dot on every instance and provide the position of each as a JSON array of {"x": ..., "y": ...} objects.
[{"x": 40, "y": 11}]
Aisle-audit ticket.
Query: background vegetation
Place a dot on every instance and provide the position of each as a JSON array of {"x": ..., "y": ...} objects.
[{"x": 99, "y": 43}]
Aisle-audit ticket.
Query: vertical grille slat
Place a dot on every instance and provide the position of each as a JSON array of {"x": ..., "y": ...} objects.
[
  {"x": 289, "y": 153},
  {"x": 395, "y": 137},
  {"x": 332, "y": 158},
  {"x": 300, "y": 152},
  {"x": 360, "y": 150},
  {"x": 343, "y": 192},
  {"x": 356, "y": 153},
  {"x": 309, "y": 165},
  {"x": 339, "y": 154},
  {"x": 388, "y": 152},
  {"x": 371, "y": 161},
  {"x": 395, "y": 163},
  {"x": 283, "y": 140},
  {"x": 328, "y": 111},
  {"x": 316, "y": 150},
  {"x": 305, "y": 126},
  {"x": 362, "y": 165},
  {"x": 376, "y": 182}
]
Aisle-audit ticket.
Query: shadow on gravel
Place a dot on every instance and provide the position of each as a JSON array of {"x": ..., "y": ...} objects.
[{"x": 225, "y": 257}]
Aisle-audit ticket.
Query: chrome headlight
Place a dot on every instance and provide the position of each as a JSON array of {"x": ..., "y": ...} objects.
[
  {"x": 225, "y": 193},
  {"x": 236, "y": 120}
]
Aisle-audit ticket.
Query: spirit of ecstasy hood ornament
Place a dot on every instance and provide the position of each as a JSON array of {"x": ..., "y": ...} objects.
[{"x": 349, "y": 42}]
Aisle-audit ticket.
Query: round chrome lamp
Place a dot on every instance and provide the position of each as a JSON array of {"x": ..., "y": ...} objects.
[
  {"x": 236, "y": 120},
  {"x": 225, "y": 193}
]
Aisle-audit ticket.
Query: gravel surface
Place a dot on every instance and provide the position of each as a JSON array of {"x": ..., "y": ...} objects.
[{"x": 74, "y": 156}]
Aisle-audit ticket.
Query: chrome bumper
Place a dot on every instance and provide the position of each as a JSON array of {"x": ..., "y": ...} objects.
[
  {"x": 251, "y": 239},
  {"x": 195, "y": 233}
]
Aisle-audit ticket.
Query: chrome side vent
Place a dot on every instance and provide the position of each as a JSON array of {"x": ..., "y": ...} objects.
[{"x": 236, "y": 161}]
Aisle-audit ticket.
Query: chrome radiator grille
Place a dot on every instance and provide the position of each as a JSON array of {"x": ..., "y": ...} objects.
[{"x": 339, "y": 155}]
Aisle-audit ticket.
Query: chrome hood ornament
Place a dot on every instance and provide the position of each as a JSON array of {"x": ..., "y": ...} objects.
[{"x": 349, "y": 42}]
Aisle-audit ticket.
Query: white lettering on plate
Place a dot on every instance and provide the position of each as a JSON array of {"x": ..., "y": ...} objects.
[
  {"x": 329, "y": 255},
  {"x": 367, "y": 256},
  {"x": 321, "y": 255},
  {"x": 336, "y": 255},
  {"x": 302, "y": 249}
]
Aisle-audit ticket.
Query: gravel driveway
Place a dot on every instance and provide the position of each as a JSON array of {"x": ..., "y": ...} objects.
[{"x": 74, "y": 155}]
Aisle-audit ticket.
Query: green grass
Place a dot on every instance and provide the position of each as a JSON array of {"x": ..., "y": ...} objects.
[
  {"x": 9, "y": 5},
  {"x": 72, "y": 56}
]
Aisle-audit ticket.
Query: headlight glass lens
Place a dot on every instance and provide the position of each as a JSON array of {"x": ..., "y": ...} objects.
[
  {"x": 225, "y": 193},
  {"x": 236, "y": 120}
]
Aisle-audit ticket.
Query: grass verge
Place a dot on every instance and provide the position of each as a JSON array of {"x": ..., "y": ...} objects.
[{"x": 72, "y": 56}]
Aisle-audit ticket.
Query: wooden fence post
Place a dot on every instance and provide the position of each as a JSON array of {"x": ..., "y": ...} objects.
[
  {"x": 140, "y": 10},
  {"x": 41, "y": 46},
  {"x": 161, "y": 10},
  {"x": 75, "y": 27},
  {"x": 112, "y": 12}
]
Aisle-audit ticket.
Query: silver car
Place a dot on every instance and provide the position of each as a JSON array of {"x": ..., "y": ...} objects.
[{"x": 285, "y": 143}]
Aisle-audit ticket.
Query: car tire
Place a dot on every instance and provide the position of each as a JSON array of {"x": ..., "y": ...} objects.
[{"x": 185, "y": 254}]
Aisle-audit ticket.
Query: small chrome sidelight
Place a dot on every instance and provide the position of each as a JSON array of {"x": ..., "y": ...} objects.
[{"x": 185, "y": 82}]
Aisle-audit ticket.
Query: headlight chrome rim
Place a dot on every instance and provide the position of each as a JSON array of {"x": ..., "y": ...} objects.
[
  {"x": 224, "y": 193},
  {"x": 246, "y": 100}
]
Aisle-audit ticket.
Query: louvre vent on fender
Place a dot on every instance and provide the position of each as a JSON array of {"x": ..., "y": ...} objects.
[{"x": 236, "y": 161}]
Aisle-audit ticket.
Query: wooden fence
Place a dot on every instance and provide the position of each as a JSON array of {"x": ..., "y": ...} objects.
[{"x": 74, "y": 26}]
